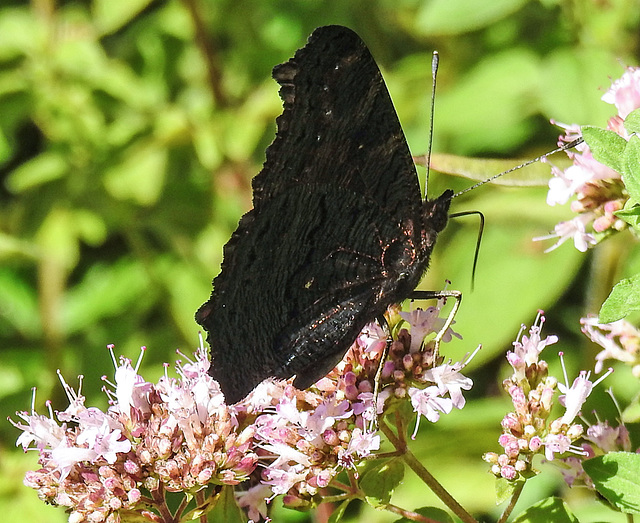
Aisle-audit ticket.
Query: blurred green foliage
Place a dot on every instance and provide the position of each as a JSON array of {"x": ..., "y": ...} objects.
[{"x": 130, "y": 131}]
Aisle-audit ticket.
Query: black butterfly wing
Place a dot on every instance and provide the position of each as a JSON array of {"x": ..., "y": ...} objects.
[
  {"x": 339, "y": 126},
  {"x": 336, "y": 232}
]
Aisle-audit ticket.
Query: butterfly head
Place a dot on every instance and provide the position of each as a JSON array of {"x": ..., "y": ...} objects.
[{"x": 435, "y": 214}]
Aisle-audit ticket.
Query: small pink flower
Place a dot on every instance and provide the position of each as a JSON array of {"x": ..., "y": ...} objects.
[
  {"x": 373, "y": 338},
  {"x": 535, "y": 443},
  {"x": 575, "y": 395},
  {"x": 361, "y": 444},
  {"x": 620, "y": 341},
  {"x": 598, "y": 189},
  {"x": 556, "y": 444},
  {"x": 573, "y": 469},
  {"x": 565, "y": 184},
  {"x": 130, "y": 389},
  {"x": 429, "y": 403},
  {"x": 526, "y": 350},
  {"x": 425, "y": 322},
  {"x": 41, "y": 430},
  {"x": 624, "y": 93},
  {"x": 508, "y": 472},
  {"x": 66, "y": 456},
  {"x": 607, "y": 438},
  {"x": 448, "y": 378},
  {"x": 282, "y": 479},
  {"x": 105, "y": 442},
  {"x": 571, "y": 229}
]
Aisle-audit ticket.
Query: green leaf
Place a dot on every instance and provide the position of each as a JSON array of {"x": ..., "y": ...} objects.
[
  {"x": 631, "y": 413},
  {"x": 140, "y": 176},
  {"x": 624, "y": 298},
  {"x": 550, "y": 509},
  {"x": 44, "y": 168},
  {"x": 226, "y": 509},
  {"x": 632, "y": 122},
  {"x": 631, "y": 173},
  {"x": 573, "y": 99},
  {"x": 379, "y": 482},
  {"x": 617, "y": 477},
  {"x": 505, "y": 489},
  {"x": 630, "y": 214},
  {"x": 57, "y": 238},
  {"x": 480, "y": 169},
  {"x": 103, "y": 292},
  {"x": 19, "y": 304},
  {"x": 607, "y": 147},
  {"x": 447, "y": 17},
  {"x": 5, "y": 147},
  {"x": 15, "y": 39},
  {"x": 90, "y": 226},
  {"x": 338, "y": 513},
  {"x": 111, "y": 15},
  {"x": 510, "y": 76}
]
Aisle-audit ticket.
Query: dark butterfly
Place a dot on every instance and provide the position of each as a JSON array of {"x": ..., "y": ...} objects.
[{"x": 339, "y": 230}]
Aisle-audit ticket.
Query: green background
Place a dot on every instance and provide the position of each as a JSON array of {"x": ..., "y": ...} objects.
[{"x": 130, "y": 131}]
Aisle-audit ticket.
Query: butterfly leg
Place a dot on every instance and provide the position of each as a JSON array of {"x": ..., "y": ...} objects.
[
  {"x": 437, "y": 295},
  {"x": 373, "y": 422}
]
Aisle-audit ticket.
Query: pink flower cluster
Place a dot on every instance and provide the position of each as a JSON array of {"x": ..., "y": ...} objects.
[
  {"x": 179, "y": 436},
  {"x": 176, "y": 435},
  {"x": 598, "y": 189},
  {"x": 620, "y": 341},
  {"x": 528, "y": 430},
  {"x": 306, "y": 438}
]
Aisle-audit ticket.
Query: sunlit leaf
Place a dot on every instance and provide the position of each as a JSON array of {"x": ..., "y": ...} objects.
[{"x": 617, "y": 477}]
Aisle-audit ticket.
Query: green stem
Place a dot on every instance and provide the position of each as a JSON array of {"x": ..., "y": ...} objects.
[
  {"x": 512, "y": 503},
  {"x": 337, "y": 498}
]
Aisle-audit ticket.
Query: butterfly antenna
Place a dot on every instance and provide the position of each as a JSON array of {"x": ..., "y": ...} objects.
[
  {"x": 434, "y": 74},
  {"x": 566, "y": 146}
]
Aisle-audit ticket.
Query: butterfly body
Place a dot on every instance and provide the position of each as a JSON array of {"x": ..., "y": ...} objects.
[{"x": 338, "y": 230}]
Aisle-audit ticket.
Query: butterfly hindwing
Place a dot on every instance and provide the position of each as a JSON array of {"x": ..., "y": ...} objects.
[{"x": 296, "y": 277}]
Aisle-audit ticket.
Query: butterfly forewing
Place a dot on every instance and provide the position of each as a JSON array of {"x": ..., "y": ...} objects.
[
  {"x": 338, "y": 231},
  {"x": 339, "y": 126}
]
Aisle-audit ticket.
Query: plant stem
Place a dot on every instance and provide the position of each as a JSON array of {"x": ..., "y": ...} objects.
[
  {"x": 408, "y": 514},
  {"x": 437, "y": 488},
  {"x": 425, "y": 475},
  {"x": 200, "y": 501},
  {"x": 160, "y": 503},
  {"x": 209, "y": 53},
  {"x": 512, "y": 503}
]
